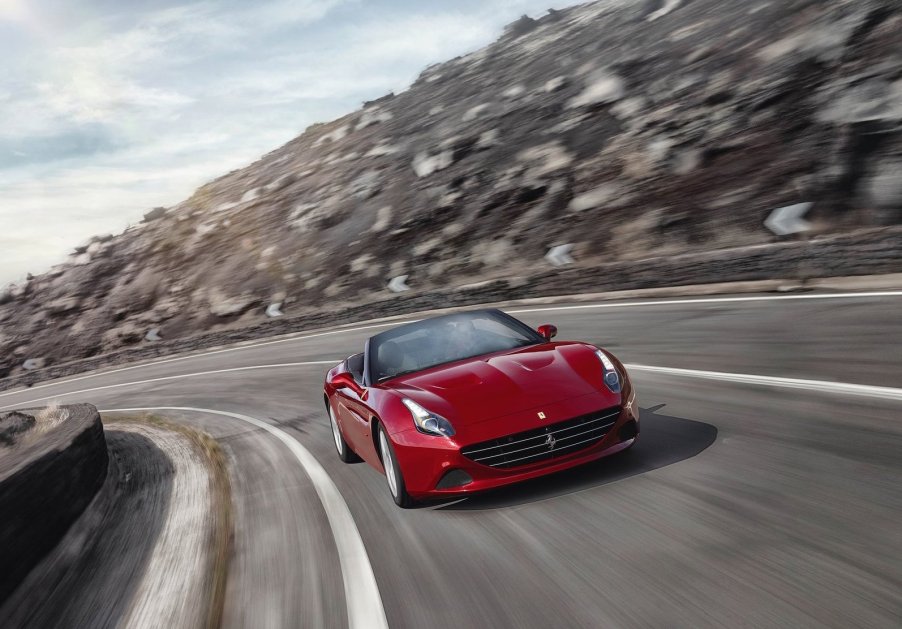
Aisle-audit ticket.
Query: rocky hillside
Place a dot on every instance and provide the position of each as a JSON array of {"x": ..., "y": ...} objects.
[{"x": 631, "y": 129}]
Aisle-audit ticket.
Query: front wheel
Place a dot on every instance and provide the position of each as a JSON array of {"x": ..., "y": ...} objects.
[
  {"x": 344, "y": 450},
  {"x": 396, "y": 485}
]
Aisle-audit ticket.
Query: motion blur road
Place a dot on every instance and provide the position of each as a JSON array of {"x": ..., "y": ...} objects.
[{"x": 741, "y": 505}]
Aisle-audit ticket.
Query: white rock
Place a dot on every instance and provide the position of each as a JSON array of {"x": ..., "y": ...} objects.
[
  {"x": 372, "y": 116},
  {"x": 434, "y": 111},
  {"x": 382, "y": 149},
  {"x": 513, "y": 92},
  {"x": 884, "y": 189},
  {"x": 475, "y": 112},
  {"x": 424, "y": 164},
  {"x": 687, "y": 161},
  {"x": 493, "y": 252},
  {"x": 871, "y": 101},
  {"x": 437, "y": 269},
  {"x": 222, "y": 306},
  {"x": 63, "y": 305},
  {"x": 559, "y": 255},
  {"x": 398, "y": 284},
  {"x": 555, "y": 84},
  {"x": 305, "y": 216},
  {"x": 628, "y": 107},
  {"x": 550, "y": 158},
  {"x": 448, "y": 199},
  {"x": 300, "y": 210},
  {"x": 488, "y": 139},
  {"x": 383, "y": 219},
  {"x": 276, "y": 183},
  {"x": 153, "y": 335},
  {"x": 82, "y": 259},
  {"x": 604, "y": 88},
  {"x": 366, "y": 185},
  {"x": 568, "y": 124},
  {"x": 225, "y": 207},
  {"x": 250, "y": 195},
  {"x": 659, "y": 149},
  {"x": 669, "y": 5},
  {"x": 34, "y": 363},
  {"x": 361, "y": 263},
  {"x": 594, "y": 198},
  {"x": 426, "y": 246},
  {"x": 825, "y": 42},
  {"x": 453, "y": 229},
  {"x": 334, "y": 136}
]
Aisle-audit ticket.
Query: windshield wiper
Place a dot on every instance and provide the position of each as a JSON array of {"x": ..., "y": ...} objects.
[{"x": 395, "y": 375}]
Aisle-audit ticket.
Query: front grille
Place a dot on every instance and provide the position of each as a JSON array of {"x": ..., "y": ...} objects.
[{"x": 541, "y": 444}]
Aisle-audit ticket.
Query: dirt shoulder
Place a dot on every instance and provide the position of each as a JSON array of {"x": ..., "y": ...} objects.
[{"x": 150, "y": 550}]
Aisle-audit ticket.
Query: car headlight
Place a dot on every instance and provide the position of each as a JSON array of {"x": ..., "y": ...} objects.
[
  {"x": 427, "y": 421},
  {"x": 611, "y": 377}
]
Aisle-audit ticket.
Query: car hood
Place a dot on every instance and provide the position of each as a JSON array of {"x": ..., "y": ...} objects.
[{"x": 494, "y": 385}]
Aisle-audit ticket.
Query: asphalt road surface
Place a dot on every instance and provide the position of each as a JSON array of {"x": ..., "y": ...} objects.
[{"x": 770, "y": 503}]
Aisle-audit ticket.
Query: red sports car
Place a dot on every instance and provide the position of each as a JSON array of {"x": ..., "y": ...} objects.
[{"x": 474, "y": 400}]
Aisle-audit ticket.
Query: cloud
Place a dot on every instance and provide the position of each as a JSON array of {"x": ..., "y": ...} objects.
[
  {"x": 14, "y": 11},
  {"x": 89, "y": 95},
  {"x": 104, "y": 120}
]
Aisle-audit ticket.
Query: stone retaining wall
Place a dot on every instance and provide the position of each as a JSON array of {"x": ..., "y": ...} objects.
[{"x": 45, "y": 484}]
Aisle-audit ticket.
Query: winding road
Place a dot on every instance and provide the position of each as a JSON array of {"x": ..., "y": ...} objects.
[{"x": 766, "y": 488}]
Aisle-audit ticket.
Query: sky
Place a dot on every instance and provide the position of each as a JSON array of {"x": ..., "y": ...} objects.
[{"x": 109, "y": 108}]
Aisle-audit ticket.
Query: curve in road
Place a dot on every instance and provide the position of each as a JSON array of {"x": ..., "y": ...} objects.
[{"x": 744, "y": 501}]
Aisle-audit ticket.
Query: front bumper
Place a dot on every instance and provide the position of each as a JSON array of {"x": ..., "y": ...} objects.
[{"x": 426, "y": 460}]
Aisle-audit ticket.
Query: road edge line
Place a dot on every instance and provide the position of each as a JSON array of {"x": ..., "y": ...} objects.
[
  {"x": 823, "y": 386},
  {"x": 362, "y": 597}
]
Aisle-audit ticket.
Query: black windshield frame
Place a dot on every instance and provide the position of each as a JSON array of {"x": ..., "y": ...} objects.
[{"x": 372, "y": 344}]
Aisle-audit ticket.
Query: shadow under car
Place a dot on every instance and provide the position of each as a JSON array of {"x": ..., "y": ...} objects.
[{"x": 663, "y": 440}]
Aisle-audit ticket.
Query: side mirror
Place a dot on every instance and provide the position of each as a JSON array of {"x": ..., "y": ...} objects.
[
  {"x": 344, "y": 380},
  {"x": 548, "y": 331}
]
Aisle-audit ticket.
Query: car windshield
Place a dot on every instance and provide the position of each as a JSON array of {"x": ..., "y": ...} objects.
[{"x": 424, "y": 344}]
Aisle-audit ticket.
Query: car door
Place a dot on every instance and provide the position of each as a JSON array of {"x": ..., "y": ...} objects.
[{"x": 354, "y": 412}]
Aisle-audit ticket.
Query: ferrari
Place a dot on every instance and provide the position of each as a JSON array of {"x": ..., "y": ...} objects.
[{"x": 470, "y": 401}]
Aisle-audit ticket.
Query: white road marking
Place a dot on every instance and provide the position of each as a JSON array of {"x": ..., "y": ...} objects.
[
  {"x": 708, "y": 300},
  {"x": 367, "y": 325},
  {"x": 364, "y": 603},
  {"x": 821, "y": 386},
  {"x": 164, "y": 378}
]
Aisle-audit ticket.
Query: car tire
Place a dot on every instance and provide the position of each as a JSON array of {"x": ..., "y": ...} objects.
[
  {"x": 393, "y": 476},
  {"x": 344, "y": 450}
]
